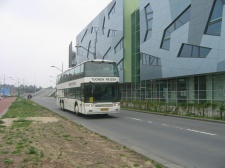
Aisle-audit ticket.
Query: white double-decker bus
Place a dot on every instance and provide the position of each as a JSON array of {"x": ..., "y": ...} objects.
[{"x": 91, "y": 87}]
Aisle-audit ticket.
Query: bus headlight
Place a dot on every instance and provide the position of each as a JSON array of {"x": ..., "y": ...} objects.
[
  {"x": 117, "y": 104},
  {"x": 89, "y": 105}
]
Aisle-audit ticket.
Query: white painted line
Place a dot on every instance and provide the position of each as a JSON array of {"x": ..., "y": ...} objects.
[
  {"x": 165, "y": 125},
  {"x": 150, "y": 122},
  {"x": 128, "y": 117},
  {"x": 193, "y": 130},
  {"x": 207, "y": 133},
  {"x": 200, "y": 132},
  {"x": 134, "y": 118},
  {"x": 179, "y": 128},
  {"x": 137, "y": 119}
]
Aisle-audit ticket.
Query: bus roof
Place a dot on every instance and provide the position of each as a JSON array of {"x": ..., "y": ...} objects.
[{"x": 95, "y": 60}]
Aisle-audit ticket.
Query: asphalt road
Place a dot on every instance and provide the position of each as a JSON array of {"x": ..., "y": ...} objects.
[{"x": 174, "y": 142}]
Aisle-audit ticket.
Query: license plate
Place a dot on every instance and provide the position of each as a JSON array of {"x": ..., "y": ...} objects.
[{"x": 104, "y": 109}]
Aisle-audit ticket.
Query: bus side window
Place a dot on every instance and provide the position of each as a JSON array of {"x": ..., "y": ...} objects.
[
  {"x": 60, "y": 79},
  {"x": 65, "y": 92},
  {"x": 67, "y": 75},
  {"x": 78, "y": 93},
  {"x": 77, "y": 71},
  {"x": 73, "y": 74},
  {"x": 82, "y": 70},
  {"x": 71, "y": 93}
]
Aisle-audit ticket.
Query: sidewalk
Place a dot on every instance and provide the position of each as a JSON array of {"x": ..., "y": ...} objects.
[{"x": 5, "y": 103}]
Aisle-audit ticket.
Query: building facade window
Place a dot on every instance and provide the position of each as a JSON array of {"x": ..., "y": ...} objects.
[
  {"x": 89, "y": 46},
  {"x": 215, "y": 20},
  {"x": 177, "y": 23},
  {"x": 103, "y": 26},
  {"x": 149, "y": 60},
  {"x": 112, "y": 11},
  {"x": 106, "y": 55},
  {"x": 120, "y": 65},
  {"x": 94, "y": 30},
  {"x": 192, "y": 89},
  {"x": 85, "y": 34},
  {"x": 191, "y": 51},
  {"x": 200, "y": 88},
  {"x": 149, "y": 19},
  {"x": 119, "y": 46},
  {"x": 112, "y": 33},
  {"x": 218, "y": 85}
]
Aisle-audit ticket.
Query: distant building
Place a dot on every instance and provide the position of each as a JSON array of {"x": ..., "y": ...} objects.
[
  {"x": 8, "y": 90},
  {"x": 5, "y": 91},
  {"x": 170, "y": 50}
]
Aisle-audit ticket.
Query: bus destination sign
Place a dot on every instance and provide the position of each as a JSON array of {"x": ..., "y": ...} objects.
[
  {"x": 72, "y": 83},
  {"x": 102, "y": 79}
]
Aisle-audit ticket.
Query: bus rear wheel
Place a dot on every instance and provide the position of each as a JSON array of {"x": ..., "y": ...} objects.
[
  {"x": 62, "y": 106},
  {"x": 76, "y": 110}
]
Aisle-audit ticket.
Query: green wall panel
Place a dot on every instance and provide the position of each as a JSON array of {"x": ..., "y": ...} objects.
[{"x": 129, "y": 7}]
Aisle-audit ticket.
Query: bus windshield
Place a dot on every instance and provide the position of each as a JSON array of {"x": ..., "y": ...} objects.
[
  {"x": 101, "y": 92},
  {"x": 101, "y": 69}
]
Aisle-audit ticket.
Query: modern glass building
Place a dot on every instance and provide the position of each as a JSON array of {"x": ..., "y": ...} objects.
[{"x": 170, "y": 50}]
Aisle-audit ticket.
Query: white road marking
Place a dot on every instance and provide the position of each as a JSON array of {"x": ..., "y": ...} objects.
[
  {"x": 137, "y": 119},
  {"x": 207, "y": 133},
  {"x": 179, "y": 127},
  {"x": 166, "y": 125},
  {"x": 192, "y": 130}
]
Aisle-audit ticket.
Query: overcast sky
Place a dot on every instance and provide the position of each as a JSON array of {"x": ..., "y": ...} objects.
[{"x": 35, "y": 34}]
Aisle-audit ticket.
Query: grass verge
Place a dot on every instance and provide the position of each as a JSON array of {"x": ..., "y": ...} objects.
[{"x": 52, "y": 141}]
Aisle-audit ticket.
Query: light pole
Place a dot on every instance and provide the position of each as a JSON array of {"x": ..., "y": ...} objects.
[
  {"x": 58, "y": 68},
  {"x": 93, "y": 53}
]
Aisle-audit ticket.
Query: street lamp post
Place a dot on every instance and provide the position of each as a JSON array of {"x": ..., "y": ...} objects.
[
  {"x": 58, "y": 68},
  {"x": 93, "y": 53}
]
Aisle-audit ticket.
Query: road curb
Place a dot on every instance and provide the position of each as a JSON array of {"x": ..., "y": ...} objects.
[{"x": 178, "y": 116}]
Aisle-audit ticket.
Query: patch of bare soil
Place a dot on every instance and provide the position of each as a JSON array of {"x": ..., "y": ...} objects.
[
  {"x": 54, "y": 142},
  {"x": 8, "y": 121}
]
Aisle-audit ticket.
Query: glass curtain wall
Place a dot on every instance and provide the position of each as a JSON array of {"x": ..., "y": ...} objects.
[
  {"x": 135, "y": 45},
  {"x": 192, "y": 89},
  {"x": 218, "y": 88}
]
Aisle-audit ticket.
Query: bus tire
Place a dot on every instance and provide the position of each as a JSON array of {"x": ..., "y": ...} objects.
[
  {"x": 76, "y": 110},
  {"x": 62, "y": 106}
]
